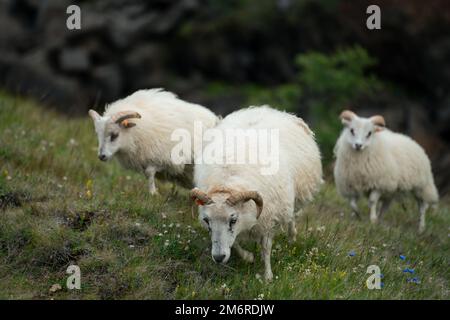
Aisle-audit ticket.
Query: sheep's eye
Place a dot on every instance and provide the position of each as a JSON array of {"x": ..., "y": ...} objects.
[
  {"x": 352, "y": 131},
  {"x": 232, "y": 222},
  {"x": 206, "y": 220},
  {"x": 369, "y": 134},
  {"x": 114, "y": 136}
]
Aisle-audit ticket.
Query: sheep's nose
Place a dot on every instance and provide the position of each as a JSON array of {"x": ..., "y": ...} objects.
[
  {"x": 358, "y": 146},
  {"x": 218, "y": 257},
  {"x": 102, "y": 157}
]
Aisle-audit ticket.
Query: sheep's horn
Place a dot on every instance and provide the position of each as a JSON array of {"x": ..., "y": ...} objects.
[
  {"x": 121, "y": 116},
  {"x": 245, "y": 196},
  {"x": 200, "y": 197},
  {"x": 347, "y": 115},
  {"x": 378, "y": 120}
]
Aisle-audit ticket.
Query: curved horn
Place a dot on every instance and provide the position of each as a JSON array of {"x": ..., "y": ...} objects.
[
  {"x": 246, "y": 196},
  {"x": 347, "y": 116},
  {"x": 121, "y": 118},
  {"x": 378, "y": 120},
  {"x": 200, "y": 197}
]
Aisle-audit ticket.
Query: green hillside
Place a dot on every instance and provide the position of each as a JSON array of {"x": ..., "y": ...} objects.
[{"x": 59, "y": 205}]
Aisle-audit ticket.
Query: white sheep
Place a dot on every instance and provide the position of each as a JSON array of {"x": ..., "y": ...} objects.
[
  {"x": 138, "y": 130},
  {"x": 373, "y": 160},
  {"x": 223, "y": 190}
]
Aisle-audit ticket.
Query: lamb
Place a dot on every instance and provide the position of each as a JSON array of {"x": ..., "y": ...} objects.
[
  {"x": 373, "y": 160},
  {"x": 138, "y": 130},
  {"x": 224, "y": 190}
]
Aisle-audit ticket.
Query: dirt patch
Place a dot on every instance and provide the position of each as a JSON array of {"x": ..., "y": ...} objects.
[
  {"x": 58, "y": 256},
  {"x": 80, "y": 220},
  {"x": 13, "y": 199}
]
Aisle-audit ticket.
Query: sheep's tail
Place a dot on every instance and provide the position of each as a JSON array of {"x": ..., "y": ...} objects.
[{"x": 430, "y": 194}]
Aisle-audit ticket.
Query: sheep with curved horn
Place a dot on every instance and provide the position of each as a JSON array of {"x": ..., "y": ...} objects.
[
  {"x": 240, "y": 201},
  {"x": 138, "y": 131}
]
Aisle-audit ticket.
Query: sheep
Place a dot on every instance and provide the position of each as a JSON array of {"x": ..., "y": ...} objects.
[
  {"x": 373, "y": 160},
  {"x": 138, "y": 129},
  {"x": 223, "y": 190}
]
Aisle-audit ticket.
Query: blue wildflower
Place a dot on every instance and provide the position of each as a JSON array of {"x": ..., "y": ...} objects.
[
  {"x": 382, "y": 284},
  {"x": 408, "y": 270},
  {"x": 402, "y": 257},
  {"x": 414, "y": 280},
  {"x": 381, "y": 276},
  {"x": 351, "y": 253}
]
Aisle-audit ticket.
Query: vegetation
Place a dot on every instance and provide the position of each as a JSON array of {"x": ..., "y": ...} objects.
[
  {"x": 59, "y": 206},
  {"x": 325, "y": 85}
]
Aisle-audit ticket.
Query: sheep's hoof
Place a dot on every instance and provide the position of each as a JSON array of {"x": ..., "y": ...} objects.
[
  {"x": 421, "y": 229},
  {"x": 268, "y": 276},
  {"x": 249, "y": 257},
  {"x": 154, "y": 192}
]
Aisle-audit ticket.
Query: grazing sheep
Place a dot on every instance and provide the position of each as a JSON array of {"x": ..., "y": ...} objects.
[
  {"x": 138, "y": 130},
  {"x": 373, "y": 160},
  {"x": 224, "y": 191}
]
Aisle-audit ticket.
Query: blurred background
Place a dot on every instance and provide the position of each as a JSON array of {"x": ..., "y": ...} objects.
[{"x": 310, "y": 57}]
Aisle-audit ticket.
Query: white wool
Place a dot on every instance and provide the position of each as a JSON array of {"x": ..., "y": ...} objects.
[
  {"x": 298, "y": 178},
  {"x": 393, "y": 162},
  {"x": 149, "y": 142}
]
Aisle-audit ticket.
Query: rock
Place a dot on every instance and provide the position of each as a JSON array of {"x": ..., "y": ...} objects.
[
  {"x": 55, "y": 287},
  {"x": 16, "y": 37},
  {"x": 170, "y": 20},
  {"x": 74, "y": 60},
  {"x": 108, "y": 80},
  {"x": 126, "y": 26}
]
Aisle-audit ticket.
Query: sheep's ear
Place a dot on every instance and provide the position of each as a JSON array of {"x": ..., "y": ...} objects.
[
  {"x": 347, "y": 116},
  {"x": 378, "y": 121},
  {"x": 94, "y": 115}
]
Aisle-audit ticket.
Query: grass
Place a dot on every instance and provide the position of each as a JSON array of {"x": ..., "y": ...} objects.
[{"x": 59, "y": 206}]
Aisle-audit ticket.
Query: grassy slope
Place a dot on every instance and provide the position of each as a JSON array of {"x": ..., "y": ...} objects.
[{"x": 59, "y": 205}]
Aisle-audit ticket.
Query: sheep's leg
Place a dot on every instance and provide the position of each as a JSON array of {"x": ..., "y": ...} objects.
[
  {"x": 354, "y": 206},
  {"x": 374, "y": 197},
  {"x": 292, "y": 231},
  {"x": 384, "y": 206},
  {"x": 150, "y": 174},
  {"x": 244, "y": 254},
  {"x": 423, "y": 207},
  {"x": 266, "y": 245}
]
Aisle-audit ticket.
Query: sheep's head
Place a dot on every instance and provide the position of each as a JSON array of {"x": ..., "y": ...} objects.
[
  {"x": 359, "y": 132},
  {"x": 226, "y": 213},
  {"x": 110, "y": 130}
]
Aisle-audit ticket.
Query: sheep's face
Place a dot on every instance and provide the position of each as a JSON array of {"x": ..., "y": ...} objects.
[
  {"x": 224, "y": 224},
  {"x": 110, "y": 132},
  {"x": 360, "y": 132},
  {"x": 109, "y": 137},
  {"x": 225, "y": 221}
]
